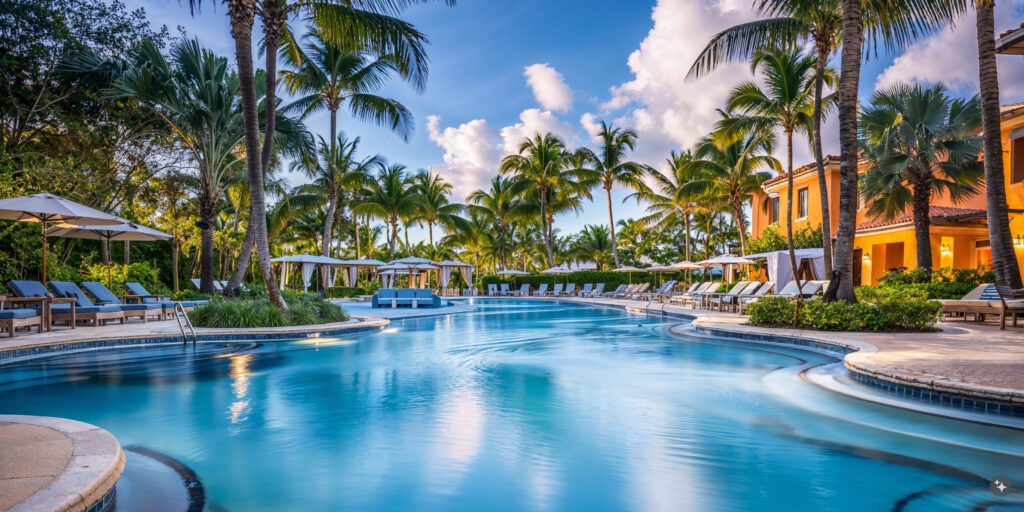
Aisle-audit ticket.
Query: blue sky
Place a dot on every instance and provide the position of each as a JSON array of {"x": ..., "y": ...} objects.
[{"x": 620, "y": 61}]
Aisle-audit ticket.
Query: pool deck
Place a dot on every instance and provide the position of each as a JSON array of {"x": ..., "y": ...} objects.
[{"x": 56, "y": 464}]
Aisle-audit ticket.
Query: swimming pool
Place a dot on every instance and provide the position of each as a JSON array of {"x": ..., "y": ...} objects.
[{"x": 519, "y": 406}]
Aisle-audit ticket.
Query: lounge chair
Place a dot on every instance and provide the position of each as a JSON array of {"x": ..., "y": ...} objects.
[
  {"x": 217, "y": 286},
  {"x": 982, "y": 300},
  {"x": 505, "y": 292},
  {"x": 642, "y": 289},
  {"x": 105, "y": 297},
  {"x": 597, "y": 291},
  {"x": 587, "y": 290},
  {"x": 683, "y": 295},
  {"x": 492, "y": 290},
  {"x": 542, "y": 290},
  {"x": 703, "y": 294},
  {"x": 570, "y": 290},
  {"x": 139, "y": 293},
  {"x": 523, "y": 291},
  {"x": 710, "y": 299},
  {"x": 631, "y": 289},
  {"x": 618, "y": 292},
  {"x": 84, "y": 309},
  {"x": 743, "y": 302},
  {"x": 1012, "y": 304},
  {"x": 731, "y": 299},
  {"x": 665, "y": 291},
  {"x": 650, "y": 295},
  {"x": 12, "y": 319},
  {"x": 556, "y": 290}
]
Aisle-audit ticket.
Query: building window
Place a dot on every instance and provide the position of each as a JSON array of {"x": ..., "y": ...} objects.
[
  {"x": 1017, "y": 159},
  {"x": 801, "y": 203},
  {"x": 774, "y": 210}
]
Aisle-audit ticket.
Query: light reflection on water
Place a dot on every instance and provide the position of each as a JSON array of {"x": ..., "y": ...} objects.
[{"x": 519, "y": 406}]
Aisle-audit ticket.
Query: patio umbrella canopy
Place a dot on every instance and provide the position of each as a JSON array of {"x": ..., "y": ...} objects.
[
  {"x": 46, "y": 208},
  {"x": 120, "y": 232},
  {"x": 726, "y": 259},
  {"x": 630, "y": 269}
]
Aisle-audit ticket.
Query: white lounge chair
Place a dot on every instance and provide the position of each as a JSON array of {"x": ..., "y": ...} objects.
[{"x": 542, "y": 290}]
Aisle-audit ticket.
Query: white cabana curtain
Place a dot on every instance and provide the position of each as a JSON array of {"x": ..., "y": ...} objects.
[
  {"x": 446, "y": 274},
  {"x": 284, "y": 273},
  {"x": 781, "y": 272},
  {"x": 307, "y": 274},
  {"x": 467, "y": 275}
]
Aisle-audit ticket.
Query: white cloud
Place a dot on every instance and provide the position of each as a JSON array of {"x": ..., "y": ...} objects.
[
  {"x": 533, "y": 121},
  {"x": 548, "y": 87},
  {"x": 591, "y": 125},
  {"x": 950, "y": 56},
  {"x": 472, "y": 152}
]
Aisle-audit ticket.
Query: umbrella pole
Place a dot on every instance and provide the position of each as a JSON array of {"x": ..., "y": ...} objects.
[{"x": 44, "y": 249}]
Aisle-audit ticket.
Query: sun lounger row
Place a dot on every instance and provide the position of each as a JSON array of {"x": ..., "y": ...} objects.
[
  {"x": 65, "y": 301},
  {"x": 405, "y": 297},
  {"x": 986, "y": 299},
  {"x": 558, "y": 290}
]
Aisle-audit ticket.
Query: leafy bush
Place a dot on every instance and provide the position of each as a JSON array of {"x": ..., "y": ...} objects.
[
  {"x": 879, "y": 309},
  {"x": 772, "y": 312},
  {"x": 303, "y": 309},
  {"x": 188, "y": 294},
  {"x": 773, "y": 238},
  {"x": 121, "y": 274},
  {"x": 345, "y": 291},
  {"x": 936, "y": 290},
  {"x": 973, "y": 276}
]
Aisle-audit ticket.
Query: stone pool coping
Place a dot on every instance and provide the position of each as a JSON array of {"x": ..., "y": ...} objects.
[
  {"x": 85, "y": 483},
  {"x": 86, "y": 338},
  {"x": 855, "y": 352}
]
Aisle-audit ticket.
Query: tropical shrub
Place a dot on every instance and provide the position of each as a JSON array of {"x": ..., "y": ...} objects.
[
  {"x": 879, "y": 309},
  {"x": 121, "y": 274},
  {"x": 303, "y": 309},
  {"x": 771, "y": 312},
  {"x": 774, "y": 239},
  {"x": 188, "y": 294}
]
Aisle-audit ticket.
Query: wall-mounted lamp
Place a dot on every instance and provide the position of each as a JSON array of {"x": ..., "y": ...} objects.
[
  {"x": 946, "y": 250},
  {"x": 1018, "y": 242},
  {"x": 867, "y": 257}
]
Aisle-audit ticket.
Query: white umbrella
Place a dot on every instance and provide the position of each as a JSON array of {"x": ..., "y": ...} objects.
[
  {"x": 412, "y": 260},
  {"x": 659, "y": 269},
  {"x": 47, "y": 208},
  {"x": 513, "y": 272},
  {"x": 556, "y": 270},
  {"x": 120, "y": 232},
  {"x": 686, "y": 265},
  {"x": 630, "y": 269},
  {"x": 726, "y": 259}
]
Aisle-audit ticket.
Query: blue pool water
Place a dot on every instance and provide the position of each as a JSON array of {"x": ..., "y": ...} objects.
[{"x": 519, "y": 406}]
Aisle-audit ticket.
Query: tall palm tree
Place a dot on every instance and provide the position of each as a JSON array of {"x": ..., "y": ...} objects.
[
  {"x": 919, "y": 142},
  {"x": 1004, "y": 258},
  {"x": 789, "y": 23},
  {"x": 331, "y": 75},
  {"x": 501, "y": 205},
  {"x": 593, "y": 244},
  {"x": 786, "y": 103},
  {"x": 434, "y": 206},
  {"x": 334, "y": 169},
  {"x": 669, "y": 202},
  {"x": 390, "y": 197},
  {"x": 542, "y": 164},
  {"x": 611, "y": 168},
  {"x": 731, "y": 169}
]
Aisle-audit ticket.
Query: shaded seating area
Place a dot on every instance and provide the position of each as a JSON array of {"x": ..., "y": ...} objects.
[
  {"x": 83, "y": 308},
  {"x": 139, "y": 293},
  {"x": 105, "y": 297},
  {"x": 406, "y": 297}
]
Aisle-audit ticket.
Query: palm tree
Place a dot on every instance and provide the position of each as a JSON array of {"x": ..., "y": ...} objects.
[
  {"x": 332, "y": 75},
  {"x": 731, "y": 171},
  {"x": 335, "y": 169},
  {"x": 541, "y": 164},
  {"x": 892, "y": 23},
  {"x": 1004, "y": 258},
  {"x": 390, "y": 197},
  {"x": 501, "y": 205},
  {"x": 787, "y": 104},
  {"x": 610, "y": 168},
  {"x": 434, "y": 206},
  {"x": 919, "y": 142},
  {"x": 669, "y": 203},
  {"x": 593, "y": 244}
]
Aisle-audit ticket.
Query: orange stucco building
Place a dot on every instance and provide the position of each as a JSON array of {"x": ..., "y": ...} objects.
[{"x": 959, "y": 231}]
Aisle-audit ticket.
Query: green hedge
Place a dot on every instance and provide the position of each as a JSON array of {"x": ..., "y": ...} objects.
[
  {"x": 878, "y": 309},
  {"x": 935, "y": 290},
  {"x": 345, "y": 291},
  {"x": 303, "y": 309}
]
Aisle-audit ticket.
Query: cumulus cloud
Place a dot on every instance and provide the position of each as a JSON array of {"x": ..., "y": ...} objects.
[
  {"x": 591, "y": 124},
  {"x": 533, "y": 121},
  {"x": 548, "y": 87},
  {"x": 950, "y": 56},
  {"x": 472, "y": 152}
]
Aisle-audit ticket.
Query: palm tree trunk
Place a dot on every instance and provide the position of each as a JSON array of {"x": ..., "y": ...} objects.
[
  {"x": 394, "y": 237},
  {"x": 737, "y": 211},
  {"x": 922, "y": 223},
  {"x": 207, "y": 212},
  {"x": 332, "y": 205},
  {"x": 819, "y": 158},
  {"x": 544, "y": 226},
  {"x": 430, "y": 232},
  {"x": 355, "y": 224},
  {"x": 334, "y": 128},
  {"x": 611, "y": 222},
  {"x": 686, "y": 226},
  {"x": 1004, "y": 260},
  {"x": 503, "y": 232},
  {"x": 789, "y": 224},
  {"x": 243, "y": 259},
  {"x": 848, "y": 82}
]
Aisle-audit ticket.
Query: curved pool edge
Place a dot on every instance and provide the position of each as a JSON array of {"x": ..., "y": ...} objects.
[
  {"x": 95, "y": 462},
  {"x": 47, "y": 347}
]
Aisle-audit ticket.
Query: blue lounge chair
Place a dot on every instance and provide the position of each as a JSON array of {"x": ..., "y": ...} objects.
[
  {"x": 12, "y": 319},
  {"x": 542, "y": 290},
  {"x": 141, "y": 294},
  {"x": 105, "y": 297},
  {"x": 505, "y": 291},
  {"x": 84, "y": 309},
  {"x": 384, "y": 297}
]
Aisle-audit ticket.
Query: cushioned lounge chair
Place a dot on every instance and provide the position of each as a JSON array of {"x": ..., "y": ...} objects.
[
  {"x": 492, "y": 290},
  {"x": 596, "y": 292},
  {"x": 542, "y": 290},
  {"x": 588, "y": 288},
  {"x": 556, "y": 290},
  {"x": 621, "y": 294},
  {"x": 139, "y": 293},
  {"x": 700, "y": 297},
  {"x": 34, "y": 294},
  {"x": 505, "y": 291},
  {"x": 84, "y": 309},
  {"x": 523, "y": 291},
  {"x": 105, "y": 297},
  {"x": 12, "y": 319},
  {"x": 217, "y": 286},
  {"x": 570, "y": 290},
  {"x": 982, "y": 300},
  {"x": 1012, "y": 304},
  {"x": 731, "y": 299},
  {"x": 640, "y": 290}
]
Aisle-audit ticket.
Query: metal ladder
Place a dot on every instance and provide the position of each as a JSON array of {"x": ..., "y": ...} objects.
[{"x": 179, "y": 313}]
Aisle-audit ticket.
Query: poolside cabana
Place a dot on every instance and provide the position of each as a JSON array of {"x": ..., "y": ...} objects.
[
  {"x": 350, "y": 270},
  {"x": 811, "y": 262},
  {"x": 447, "y": 266},
  {"x": 726, "y": 261},
  {"x": 308, "y": 264}
]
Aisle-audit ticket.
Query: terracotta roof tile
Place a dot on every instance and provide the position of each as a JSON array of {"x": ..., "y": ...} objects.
[
  {"x": 775, "y": 179},
  {"x": 1012, "y": 30},
  {"x": 937, "y": 214}
]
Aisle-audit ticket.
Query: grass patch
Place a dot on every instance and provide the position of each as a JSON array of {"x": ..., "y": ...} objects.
[{"x": 303, "y": 309}]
